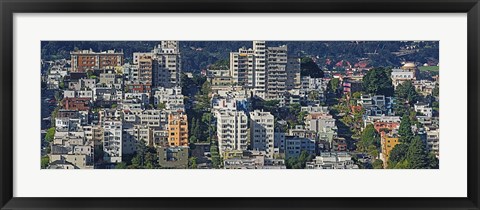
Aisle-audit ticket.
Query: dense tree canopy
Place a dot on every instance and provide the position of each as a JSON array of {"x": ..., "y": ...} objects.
[
  {"x": 378, "y": 82},
  {"x": 377, "y": 164},
  {"x": 300, "y": 161},
  {"x": 416, "y": 155},
  {"x": 405, "y": 130},
  {"x": 369, "y": 140},
  {"x": 50, "y": 134},
  {"x": 397, "y": 155},
  {"x": 310, "y": 68},
  {"x": 406, "y": 93},
  {"x": 45, "y": 161}
]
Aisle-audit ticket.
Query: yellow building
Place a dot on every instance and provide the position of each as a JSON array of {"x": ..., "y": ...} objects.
[
  {"x": 177, "y": 129},
  {"x": 388, "y": 143}
]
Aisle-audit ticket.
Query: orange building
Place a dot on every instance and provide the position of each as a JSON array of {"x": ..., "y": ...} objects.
[
  {"x": 177, "y": 129},
  {"x": 388, "y": 143},
  {"x": 84, "y": 60}
]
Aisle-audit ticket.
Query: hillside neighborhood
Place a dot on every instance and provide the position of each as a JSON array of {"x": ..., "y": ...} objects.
[{"x": 260, "y": 106}]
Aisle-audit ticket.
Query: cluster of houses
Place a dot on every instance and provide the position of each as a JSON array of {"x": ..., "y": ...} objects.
[{"x": 109, "y": 107}]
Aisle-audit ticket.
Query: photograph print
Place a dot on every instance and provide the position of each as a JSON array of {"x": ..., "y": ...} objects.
[{"x": 239, "y": 104}]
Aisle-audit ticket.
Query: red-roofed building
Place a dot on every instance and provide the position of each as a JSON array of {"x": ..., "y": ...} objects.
[
  {"x": 361, "y": 64},
  {"x": 79, "y": 104},
  {"x": 386, "y": 125}
]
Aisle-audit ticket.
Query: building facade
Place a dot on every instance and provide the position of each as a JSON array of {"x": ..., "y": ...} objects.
[
  {"x": 262, "y": 134},
  {"x": 85, "y": 60},
  {"x": 232, "y": 127},
  {"x": 177, "y": 129}
]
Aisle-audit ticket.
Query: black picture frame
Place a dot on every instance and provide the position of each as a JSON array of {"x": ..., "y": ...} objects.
[{"x": 9, "y": 7}]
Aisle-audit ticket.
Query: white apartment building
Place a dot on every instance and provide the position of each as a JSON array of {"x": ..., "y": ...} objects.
[
  {"x": 112, "y": 141},
  {"x": 315, "y": 109},
  {"x": 262, "y": 132},
  {"x": 171, "y": 97},
  {"x": 82, "y": 84},
  {"x": 320, "y": 122},
  {"x": 67, "y": 124},
  {"x": 153, "y": 118},
  {"x": 332, "y": 161},
  {"x": 266, "y": 72},
  {"x": 136, "y": 98},
  {"x": 248, "y": 68},
  {"x": 401, "y": 75},
  {"x": 423, "y": 108},
  {"x": 166, "y": 64},
  {"x": 78, "y": 94},
  {"x": 131, "y": 72},
  {"x": 232, "y": 129},
  {"x": 94, "y": 134}
]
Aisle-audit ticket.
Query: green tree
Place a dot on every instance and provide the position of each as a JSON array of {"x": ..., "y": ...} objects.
[
  {"x": 299, "y": 162},
  {"x": 54, "y": 114},
  {"x": 377, "y": 164},
  {"x": 137, "y": 161},
  {"x": 402, "y": 165},
  {"x": 372, "y": 150},
  {"x": 61, "y": 85},
  {"x": 405, "y": 130},
  {"x": 216, "y": 159},
  {"x": 50, "y": 135},
  {"x": 194, "y": 128},
  {"x": 436, "y": 91},
  {"x": 192, "y": 139},
  {"x": 417, "y": 156},
  {"x": 433, "y": 162},
  {"x": 161, "y": 106},
  {"x": 220, "y": 64},
  {"x": 333, "y": 85},
  {"x": 45, "y": 161},
  {"x": 369, "y": 137},
  {"x": 356, "y": 95},
  {"x": 151, "y": 159},
  {"x": 121, "y": 165},
  {"x": 89, "y": 73},
  {"x": 406, "y": 93},
  {"x": 198, "y": 130},
  {"x": 398, "y": 154},
  {"x": 377, "y": 81},
  {"x": 301, "y": 117},
  {"x": 192, "y": 163},
  {"x": 309, "y": 68},
  {"x": 313, "y": 95},
  {"x": 206, "y": 88}
]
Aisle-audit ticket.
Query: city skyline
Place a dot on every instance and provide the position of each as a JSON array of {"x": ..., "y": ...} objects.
[{"x": 266, "y": 105}]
